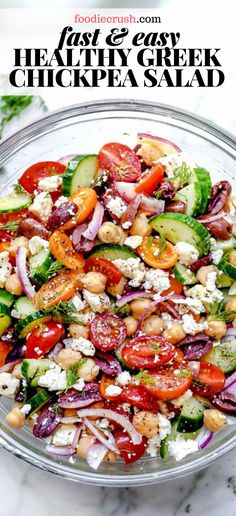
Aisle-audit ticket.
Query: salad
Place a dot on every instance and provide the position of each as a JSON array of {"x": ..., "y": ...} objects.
[{"x": 118, "y": 303}]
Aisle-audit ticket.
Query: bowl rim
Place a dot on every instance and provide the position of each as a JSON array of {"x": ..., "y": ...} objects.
[{"x": 8, "y": 145}]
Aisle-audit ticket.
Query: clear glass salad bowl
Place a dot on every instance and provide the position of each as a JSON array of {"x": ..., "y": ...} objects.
[{"x": 84, "y": 128}]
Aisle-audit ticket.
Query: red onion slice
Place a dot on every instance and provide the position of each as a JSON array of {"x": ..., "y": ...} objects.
[
  {"x": 168, "y": 146},
  {"x": 9, "y": 367},
  {"x": 114, "y": 416},
  {"x": 204, "y": 438},
  {"x": 212, "y": 218},
  {"x": 61, "y": 451},
  {"x": 108, "y": 444},
  {"x": 76, "y": 436},
  {"x": 131, "y": 210},
  {"x": 77, "y": 235},
  {"x": 231, "y": 332},
  {"x": 154, "y": 303},
  {"x": 95, "y": 455},
  {"x": 127, "y": 298},
  {"x": 126, "y": 190},
  {"x": 91, "y": 231},
  {"x": 230, "y": 381},
  {"x": 70, "y": 420},
  {"x": 152, "y": 205},
  {"x": 75, "y": 399},
  {"x": 22, "y": 272}
]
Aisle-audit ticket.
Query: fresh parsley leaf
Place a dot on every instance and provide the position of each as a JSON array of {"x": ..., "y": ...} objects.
[
  {"x": 54, "y": 268},
  {"x": 12, "y": 225},
  {"x": 181, "y": 175},
  {"x": 145, "y": 376},
  {"x": 66, "y": 311},
  {"x": 162, "y": 245},
  {"x": 182, "y": 373},
  {"x": 150, "y": 241},
  {"x": 217, "y": 312},
  {"x": 18, "y": 189},
  {"x": 72, "y": 374}
]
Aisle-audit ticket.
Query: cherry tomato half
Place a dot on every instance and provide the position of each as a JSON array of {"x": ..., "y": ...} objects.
[
  {"x": 105, "y": 267},
  {"x": 4, "y": 350},
  {"x": 129, "y": 452},
  {"x": 42, "y": 339},
  {"x": 167, "y": 384},
  {"x": 209, "y": 380},
  {"x": 120, "y": 161},
  {"x": 147, "y": 351},
  {"x": 150, "y": 180},
  {"x": 107, "y": 331},
  {"x": 29, "y": 180},
  {"x": 137, "y": 396}
]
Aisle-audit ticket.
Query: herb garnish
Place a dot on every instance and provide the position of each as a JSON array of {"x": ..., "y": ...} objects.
[
  {"x": 65, "y": 310},
  {"x": 217, "y": 312},
  {"x": 145, "y": 376},
  {"x": 54, "y": 268},
  {"x": 181, "y": 175},
  {"x": 12, "y": 225}
]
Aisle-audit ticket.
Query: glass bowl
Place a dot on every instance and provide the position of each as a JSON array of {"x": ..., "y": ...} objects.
[{"x": 83, "y": 129}]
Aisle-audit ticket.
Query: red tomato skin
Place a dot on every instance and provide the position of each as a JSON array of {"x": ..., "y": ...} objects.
[
  {"x": 140, "y": 354},
  {"x": 150, "y": 179},
  {"x": 41, "y": 340},
  {"x": 4, "y": 350},
  {"x": 30, "y": 178},
  {"x": 167, "y": 386},
  {"x": 212, "y": 379},
  {"x": 107, "y": 331},
  {"x": 121, "y": 162},
  {"x": 105, "y": 267},
  {"x": 138, "y": 397},
  {"x": 129, "y": 452}
]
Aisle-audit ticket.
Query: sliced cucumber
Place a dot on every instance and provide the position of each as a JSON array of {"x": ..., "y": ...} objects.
[
  {"x": 39, "y": 264},
  {"x": 38, "y": 400},
  {"x": 226, "y": 245},
  {"x": 6, "y": 298},
  {"x": 177, "y": 227},
  {"x": 5, "y": 319},
  {"x": 223, "y": 281},
  {"x": 191, "y": 196},
  {"x": 223, "y": 355},
  {"x": 227, "y": 267},
  {"x": 14, "y": 202},
  {"x": 191, "y": 416},
  {"x": 112, "y": 252},
  {"x": 122, "y": 311},
  {"x": 202, "y": 177},
  {"x": 33, "y": 369},
  {"x": 164, "y": 450},
  {"x": 184, "y": 275},
  {"x": 28, "y": 323},
  {"x": 24, "y": 306},
  {"x": 80, "y": 171}
]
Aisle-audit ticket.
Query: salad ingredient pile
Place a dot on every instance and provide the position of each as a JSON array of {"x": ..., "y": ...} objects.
[{"x": 118, "y": 303}]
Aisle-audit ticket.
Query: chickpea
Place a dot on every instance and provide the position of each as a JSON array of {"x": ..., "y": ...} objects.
[
  {"x": 146, "y": 423},
  {"x": 139, "y": 305},
  {"x": 84, "y": 443},
  {"x": 110, "y": 457},
  {"x": 13, "y": 285},
  {"x": 67, "y": 357},
  {"x": 110, "y": 233},
  {"x": 150, "y": 152},
  {"x": 95, "y": 282},
  {"x": 216, "y": 329},
  {"x": 17, "y": 371},
  {"x": 214, "y": 420},
  {"x": 203, "y": 272},
  {"x": 15, "y": 418},
  {"x": 19, "y": 242},
  {"x": 117, "y": 290},
  {"x": 89, "y": 370},
  {"x": 131, "y": 325},
  {"x": 231, "y": 305},
  {"x": 153, "y": 325},
  {"x": 77, "y": 330},
  {"x": 232, "y": 258},
  {"x": 140, "y": 225},
  {"x": 175, "y": 333}
]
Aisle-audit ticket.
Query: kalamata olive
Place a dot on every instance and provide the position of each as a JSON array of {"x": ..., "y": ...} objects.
[
  {"x": 61, "y": 215},
  {"x": 108, "y": 364},
  {"x": 196, "y": 346},
  {"x": 166, "y": 190},
  {"x": 219, "y": 229},
  {"x": 15, "y": 353},
  {"x": 30, "y": 228},
  {"x": 47, "y": 422},
  {"x": 8, "y": 336},
  {"x": 219, "y": 195},
  {"x": 201, "y": 262},
  {"x": 175, "y": 206},
  {"x": 226, "y": 402},
  {"x": 76, "y": 399}
]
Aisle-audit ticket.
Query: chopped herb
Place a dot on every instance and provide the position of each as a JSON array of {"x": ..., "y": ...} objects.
[
  {"x": 11, "y": 106},
  {"x": 218, "y": 314},
  {"x": 162, "y": 245},
  {"x": 146, "y": 377},
  {"x": 150, "y": 241},
  {"x": 18, "y": 189},
  {"x": 54, "y": 268},
  {"x": 182, "y": 373},
  {"x": 155, "y": 346},
  {"x": 181, "y": 175},
  {"x": 65, "y": 310},
  {"x": 158, "y": 194},
  {"x": 56, "y": 409},
  {"x": 12, "y": 225},
  {"x": 72, "y": 373},
  {"x": 188, "y": 508}
]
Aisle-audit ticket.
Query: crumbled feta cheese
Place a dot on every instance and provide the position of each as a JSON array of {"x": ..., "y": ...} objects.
[
  {"x": 216, "y": 256},
  {"x": 15, "y": 314},
  {"x": 200, "y": 292},
  {"x": 79, "y": 385},
  {"x": 103, "y": 423},
  {"x": 78, "y": 303},
  {"x": 97, "y": 302},
  {"x": 116, "y": 206},
  {"x": 164, "y": 426},
  {"x": 167, "y": 320},
  {"x": 132, "y": 268},
  {"x": 156, "y": 279},
  {"x": 50, "y": 183},
  {"x": 37, "y": 244},
  {"x": 133, "y": 241},
  {"x": 113, "y": 390},
  {"x": 54, "y": 379},
  {"x": 64, "y": 435},
  {"x": 211, "y": 281},
  {"x": 5, "y": 268},
  {"x": 85, "y": 318},
  {"x": 191, "y": 327},
  {"x": 26, "y": 409},
  {"x": 9, "y": 385},
  {"x": 81, "y": 344},
  {"x": 181, "y": 447},
  {"x": 187, "y": 253},
  {"x": 175, "y": 160},
  {"x": 60, "y": 201},
  {"x": 127, "y": 224},
  {"x": 42, "y": 206},
  {"x": 179, "y": 402},
  {"x": 232, "y": 290},
  {"x": 124, "y": 378},
  {"x": 193, "y": 304},
  {"x": 153, "y": 445}
]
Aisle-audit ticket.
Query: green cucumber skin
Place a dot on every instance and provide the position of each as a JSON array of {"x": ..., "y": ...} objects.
[
  {"x": 223, "y": 356},
  {"x": 164, "y": 451},
  {"x": 192, "y": 197},
  {"x": 191, "y": 416},
  {"x": 181, "y": 275},
  {"x": 4, "y": 309},
  {"x": 6, "y": 298},
  {"x": 21, "y": 201},
  {"x": 227, "y": 268},
  {"x": 39, "y": 274},
  {"x": 33, "y": 369},
  {"x": 69, "y": 184},
  {"x": 198, "y": 234},
  {"x": 202, "y": 175},
  {"x": 38, "y": 401},
  {"x": 112, "y": 252},
  {"x": 24, "y": 306},
  {"x": 23, "y": 323}
]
